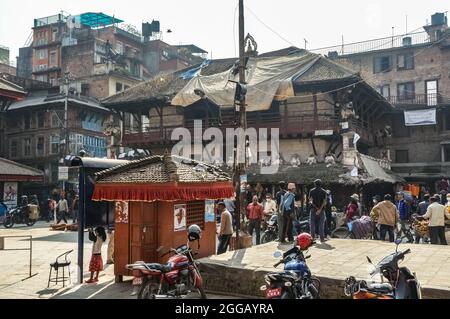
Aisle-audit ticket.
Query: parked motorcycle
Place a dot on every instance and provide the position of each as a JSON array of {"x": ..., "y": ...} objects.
[
  {"x": 402, "y": 284},
  {"x": 175, "y": 279},
  {"x": 18, "y": 215},
  {"x": 271, "y": 232},
  {"x": 295, "y": 282}
]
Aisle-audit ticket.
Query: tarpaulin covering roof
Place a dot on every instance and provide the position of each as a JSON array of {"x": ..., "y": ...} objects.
[
  {"x": 375, "y": 173},
  {"x": 270, "y": 76},
  {"x": 162, "y": 178},
  {"x": 268, "y": 79}
]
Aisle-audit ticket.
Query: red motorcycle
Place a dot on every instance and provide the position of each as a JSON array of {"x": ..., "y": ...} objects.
[{"x": 175, "y": 279}]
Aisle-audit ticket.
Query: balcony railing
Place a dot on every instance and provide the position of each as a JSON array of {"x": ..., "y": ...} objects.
[
  {"x": 289, "y": 126},
  {"x": 420, "y": 99}
]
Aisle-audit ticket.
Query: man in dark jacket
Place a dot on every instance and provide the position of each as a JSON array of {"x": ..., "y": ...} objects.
[
  {"x": 318, "y": 201},
  {"x": 288, "y": 211}
]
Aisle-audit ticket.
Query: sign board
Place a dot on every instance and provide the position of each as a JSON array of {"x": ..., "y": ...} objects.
[
  {"x": 10, "y": 194},
  {"x": 420, "y": 117},
  {"x": 209, "y": 211},
  {"x": 324, "y": 133},
  {"x": 179, "y": 217},
  {"x": 63, "y": 173},
  {"x": 344, "y": 125}
]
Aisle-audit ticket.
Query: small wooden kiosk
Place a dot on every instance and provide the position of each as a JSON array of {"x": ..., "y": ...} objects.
[{"x": 156, "y": 200}]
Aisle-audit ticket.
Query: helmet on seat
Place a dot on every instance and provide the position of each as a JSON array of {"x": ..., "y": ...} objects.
[
  {"x": 194, "y": 232},
  {"x": 304, "y": 241}
]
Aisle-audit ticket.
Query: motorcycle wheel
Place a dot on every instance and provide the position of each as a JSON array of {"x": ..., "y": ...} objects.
[
  {"x": 8, "y": 222},
  {"x": 148, "y": 290},
  {"x": 201, "y": 292},
  {"x": 31, "y": 222},
  {"x": 315, "y": 282},
  {"x": 268, "y": 237}
]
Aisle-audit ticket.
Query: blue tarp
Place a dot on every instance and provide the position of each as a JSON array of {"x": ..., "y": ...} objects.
[{"x": 194, "y": 71}]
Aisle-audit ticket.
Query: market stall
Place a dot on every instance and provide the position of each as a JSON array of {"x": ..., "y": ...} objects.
[{"x": 156, "y": 199}]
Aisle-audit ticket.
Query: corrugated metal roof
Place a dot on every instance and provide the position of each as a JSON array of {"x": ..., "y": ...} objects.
[
  {"x": 8, "y": 167},
  {"x": 43, "y": 100}
]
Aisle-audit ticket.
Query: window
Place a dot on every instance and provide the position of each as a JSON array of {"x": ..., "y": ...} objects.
[
  {"x": 41, "y": 54},
  {"x": 27, "y": 147},
  {"x": 195, "y": 214},
  {"x": 382, "y": 64},
  {"x": 118, "y": 87},
  {"x": 119, "y": 47},
  {"x": 399, "y": 129},
  {"x": 42, "y": 78},
  {"x": 40, "y": 120},
  {"x": 53, "y": 58},
  {"x": 401, "y": 156},
  {"x": 431, "y": 88},
  {"x": 40, "y": 146},
  {"x": 406, "y": 91},
  {"x": 446, "y": 150},
  {"x": 405, "y": 61},
  {"x": 54, "y": 144},
  {"x": 55, "y": 120},
  {"x": 385, "y": 91},
  {"x": 54, "y": 34},
  {"x": 27, "y": 121},
  {"x": 14, "y": 147}
]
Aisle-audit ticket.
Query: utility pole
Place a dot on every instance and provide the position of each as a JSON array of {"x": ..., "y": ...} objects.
[
  {"x": 240, "y": 167},
  {"x": 66, "y": 82}
]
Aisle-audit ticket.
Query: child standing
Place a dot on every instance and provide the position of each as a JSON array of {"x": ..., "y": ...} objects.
[{"x": 96, "y": 263}]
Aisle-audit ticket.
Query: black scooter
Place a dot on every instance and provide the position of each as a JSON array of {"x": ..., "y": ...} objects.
[{"x": 402, "y": 284}]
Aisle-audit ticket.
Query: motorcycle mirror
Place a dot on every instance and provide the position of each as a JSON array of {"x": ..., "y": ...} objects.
[
  {"x": 398, "y": 241},
  {"x": 368, "y": 259},
  {"x": 277, "y": 254}
]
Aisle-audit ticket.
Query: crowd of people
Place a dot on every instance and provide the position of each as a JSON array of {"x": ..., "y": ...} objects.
[{"x": 389, "y": 216}]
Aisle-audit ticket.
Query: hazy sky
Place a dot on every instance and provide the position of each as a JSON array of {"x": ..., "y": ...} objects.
[{"x": 210, "y": 23}]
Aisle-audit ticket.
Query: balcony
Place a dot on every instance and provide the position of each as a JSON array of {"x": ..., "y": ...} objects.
[
  {"x": 289, "y": 127},
  {"x": 423, "y": 100}
]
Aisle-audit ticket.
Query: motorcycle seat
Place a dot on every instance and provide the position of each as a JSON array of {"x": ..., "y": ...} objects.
[
  {"x": 383, "y": 288},
  {"x": 162, "y": 268}
]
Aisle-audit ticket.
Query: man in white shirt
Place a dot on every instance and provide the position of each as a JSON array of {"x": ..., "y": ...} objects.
[
  {"x": 436, "y": 213},
  {"x": 270, "y": 208},
  {"x": 226, "y": 228}
]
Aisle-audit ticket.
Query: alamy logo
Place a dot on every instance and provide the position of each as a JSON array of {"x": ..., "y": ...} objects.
[{"x": 241, "y": 146}]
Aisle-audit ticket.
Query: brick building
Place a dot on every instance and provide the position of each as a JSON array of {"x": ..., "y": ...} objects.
[
  {"x": 412, "y": 71},
  {"x": 330, "y": 105}
]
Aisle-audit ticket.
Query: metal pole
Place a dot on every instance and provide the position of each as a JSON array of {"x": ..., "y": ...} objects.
[
  {"x": 66, "y": 128},
  {"x": 81, "y": 223},
  {"x": 240, "y": 167},
  {"x": 31, "y": 252}
]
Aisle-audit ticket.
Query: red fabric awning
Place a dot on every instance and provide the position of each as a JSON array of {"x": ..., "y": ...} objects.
[{"x": 162, "y": 192}]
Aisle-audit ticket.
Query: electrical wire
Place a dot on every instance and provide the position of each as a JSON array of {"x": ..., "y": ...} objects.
[{"x": 268, "y": 27}]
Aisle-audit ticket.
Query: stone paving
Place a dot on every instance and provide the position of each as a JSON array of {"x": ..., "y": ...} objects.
[
  {"x": 336, "y": 259},
  {"x": 47, "y": 245}
]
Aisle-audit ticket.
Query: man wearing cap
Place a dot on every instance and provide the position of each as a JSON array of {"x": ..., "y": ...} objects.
[
  {"x": 255, "y": 214},
  {"x": 288, "y": 211},
  {"x": 437, "y": 213},
  {"x": 226, "y": 228},
  {"x": 318, "y": 200}
]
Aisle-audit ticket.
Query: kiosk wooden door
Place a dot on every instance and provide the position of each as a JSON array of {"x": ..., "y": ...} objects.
[{"x": 143, "y": 231}]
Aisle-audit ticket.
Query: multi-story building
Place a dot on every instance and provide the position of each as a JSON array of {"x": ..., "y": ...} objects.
[
  {"x": 6, "y": 65},
  {"x": 330, "y": 110},
  {"x": 35, "y": 132},
  {"x": 103, "y": 57},
  {"x": 412, "y": 72}
]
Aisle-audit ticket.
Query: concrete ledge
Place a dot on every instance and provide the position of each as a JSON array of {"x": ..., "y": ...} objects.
[{"x": 242, "y": 272}]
